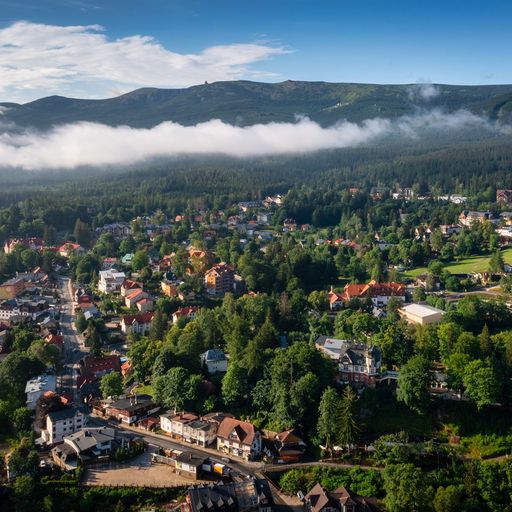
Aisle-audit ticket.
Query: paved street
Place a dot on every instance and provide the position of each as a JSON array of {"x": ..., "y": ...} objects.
[
  {"x": 246, "y": 468},
  {"x": 73, "y": 347}
]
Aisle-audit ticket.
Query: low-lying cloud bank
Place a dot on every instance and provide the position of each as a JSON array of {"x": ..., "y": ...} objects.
[{"x": 91, "y": 144}]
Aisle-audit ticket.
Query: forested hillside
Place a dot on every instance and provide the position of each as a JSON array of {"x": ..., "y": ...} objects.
[{"x": 244, "y": 103}]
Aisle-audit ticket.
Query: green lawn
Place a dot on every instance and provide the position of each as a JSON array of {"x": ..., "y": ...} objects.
[
  {"x": 144, "y": 389},
  {"x": 463, "y": 266}
]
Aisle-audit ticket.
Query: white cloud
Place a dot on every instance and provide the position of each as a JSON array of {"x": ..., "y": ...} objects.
[
  {"x": 423, "y": 91},
  {"x": 90, "y": 144},
  {"x": 37, "y": 60}
]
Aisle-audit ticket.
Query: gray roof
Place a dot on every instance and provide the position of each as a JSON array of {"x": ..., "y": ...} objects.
[
  {"x": 214, "y": 354},
  {"x": 191, "y": 458},
  {"x": 65, "y": 413},
  {"x": 128, "y": 404},
  {"x": 88, "y": 438},
  {"x": 348, "y": 349},
  {"x": 199, "y": 425}
]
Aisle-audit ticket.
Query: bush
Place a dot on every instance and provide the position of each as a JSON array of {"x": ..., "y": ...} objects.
[{"x": 363, "y": 482}]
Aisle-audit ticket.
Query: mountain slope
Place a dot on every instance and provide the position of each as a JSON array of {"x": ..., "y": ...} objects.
[{"x": 245, "y": 103}]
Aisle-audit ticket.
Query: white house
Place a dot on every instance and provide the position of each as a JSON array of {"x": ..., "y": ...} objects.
[
  {"x": 110, "y": 281},
  {"x": 188, "y": 312},
  {"x": 174, "y": 423},
  {"x": 63, "y": 423},
  {"x": 38, "y": 386},
  {"x": 200, "y": 432},
  {"x": 215, "y": 361},
  {"x": 239, "y": 438},
  {"x": 139, "y": 323}
]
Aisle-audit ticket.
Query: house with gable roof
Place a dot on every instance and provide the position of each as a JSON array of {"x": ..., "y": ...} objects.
[
  {"x": 239, "y": 438},
  {"x": 139, "y": 323},
  {"x": 340, "y": 500},
  {"x": 379, "y": 293},
  {"x": 357, "y": 363}
]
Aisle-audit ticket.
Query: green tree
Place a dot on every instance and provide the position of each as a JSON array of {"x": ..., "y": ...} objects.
[
  {"x": 111, "y": 384},
  {"x": 176, "y": 388},
  {"x": 22, "y": 420},
  {"x": 328, "y": 418},
  {"x": 481, "y": 383},
  {"x": 140, "y": 260},
  {"x": 23, "y": 487},
  {"x": 406, "y": 489},
  {"x": 348, "y": 429},
  {"x": 449, "y": 498},
  {"x": 414, "y": 383},
  {"x": 235, "y": 387},
  {"x": 418, "y": 294},
  {"x": 82, "y": 233},
  {"x": 158, "y": 326},
  {"x": 496, "y": 263}
]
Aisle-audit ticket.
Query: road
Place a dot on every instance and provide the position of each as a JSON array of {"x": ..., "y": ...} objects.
[
  {"x": 74, "y": 349},
  {"x": 245, "y": 468},
  {"x": 253, "y": 469}
]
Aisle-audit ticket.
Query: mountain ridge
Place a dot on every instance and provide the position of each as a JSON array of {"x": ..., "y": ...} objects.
[{"x": 245, "y": 102}]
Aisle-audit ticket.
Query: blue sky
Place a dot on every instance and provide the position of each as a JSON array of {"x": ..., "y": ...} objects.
[{"x": 464, "y": 42}]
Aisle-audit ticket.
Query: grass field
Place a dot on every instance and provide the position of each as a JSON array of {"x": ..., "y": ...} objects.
[
  {"x": 144, "y": 389},
  {"x": 463, "y": 266}
]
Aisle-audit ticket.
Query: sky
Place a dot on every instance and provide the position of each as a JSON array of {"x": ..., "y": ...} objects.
[{"x": 100, "y": 49}]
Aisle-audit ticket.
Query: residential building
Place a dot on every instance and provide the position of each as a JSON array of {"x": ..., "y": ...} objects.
[
  {"x": 131, "y": 409},
  {"x": 39, "y": 386},
  {"x": 139, "y": 323},
  {"x": 61, "y": 423},
  {"x": 358, "y": 363},
  {"x": 219, "y": 279},
  {"x": 189, "y": 464},
  {"x": 506, "y": 218},
  {"x": 91, "y": 369},
  {"x": 90, "y": 445},
  {"x": 403, "y": 193},
  {"x": 110, "y": 281},
  {"x": 450, "y": 229},
  {"x": 340, "y": 500},
  {"x": 215, "y": 361},
  {"x": 133, "y": 296},
  {"x": 289, "y": 225},
  {"x": 127, "y": 258},
  {"x": 145, "y": 305},
  {"x": 18, "y": 308},
  {"x": 239, "y": 438},
  {"x": 200, "y": 432},
  {"x": 170, "y": 288},
  {"x": 130, "y": 286},
  {"x": 468, "y": 217},
  {"x": 188, "y": 312},
  {"x": 379, "y": 293},
  {"x": 421, "y": 314},
  {"x": 288, "y": 446},
  {"x": 504, "y": 196},
  {"x": 118, "y": 230},
  {"x": 174, "y": 423},
  {"x": 11, "y": 288},
  {"x": 242, "y": 496},
  {"x": 34, "y": 243},
  {"x": 263, "y": 218},
  {"x": 69, "y": 248}
]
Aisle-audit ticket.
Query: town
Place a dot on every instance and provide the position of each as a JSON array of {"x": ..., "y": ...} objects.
[{"x": 250, "y": 358}]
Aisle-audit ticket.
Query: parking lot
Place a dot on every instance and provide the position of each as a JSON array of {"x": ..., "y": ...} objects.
[{"x": 139, "y": 472}]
